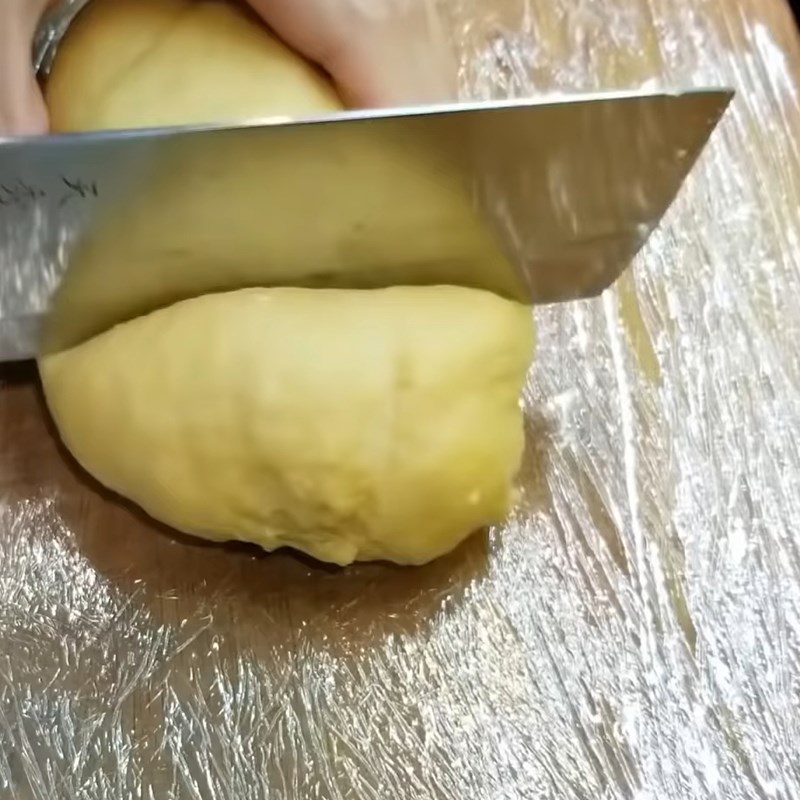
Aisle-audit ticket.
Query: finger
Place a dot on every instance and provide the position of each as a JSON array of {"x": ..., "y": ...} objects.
[
  {"x": 386, "y": 52},
  {"x": 22, "y": 108},
  {"x": 309, "y": 27},
  {"x": 396, "y": 70}
]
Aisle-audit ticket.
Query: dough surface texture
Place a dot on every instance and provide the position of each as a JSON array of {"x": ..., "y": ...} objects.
[
  {"x": 142, "y": 63},
  {"x": 349, "y": 424}
]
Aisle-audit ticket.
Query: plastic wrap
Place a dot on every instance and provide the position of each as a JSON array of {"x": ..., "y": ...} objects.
[{"x": 632, "y": 632}]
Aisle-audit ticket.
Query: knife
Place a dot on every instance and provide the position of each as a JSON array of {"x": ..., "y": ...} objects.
[{"x": 541, "y": 200}]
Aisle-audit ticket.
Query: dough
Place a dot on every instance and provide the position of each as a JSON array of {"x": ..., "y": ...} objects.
[
  {"x": 360, "y": 423},
  {"x": 141, "y": 63},
  {"x": 379, "y": 424}
]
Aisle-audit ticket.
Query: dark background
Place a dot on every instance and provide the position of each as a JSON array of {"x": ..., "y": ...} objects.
[{"x": 795, "y": 4}]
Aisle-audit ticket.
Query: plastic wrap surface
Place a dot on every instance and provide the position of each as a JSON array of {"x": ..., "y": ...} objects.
[{"x": 632, "y": 632}]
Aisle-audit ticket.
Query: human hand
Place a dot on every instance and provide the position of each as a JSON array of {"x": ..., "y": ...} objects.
[
  {"x": 22, "y": 108},
  {"x": 379, "y": 52}
]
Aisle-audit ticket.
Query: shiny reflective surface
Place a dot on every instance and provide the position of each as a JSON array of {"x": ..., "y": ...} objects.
[
  {"x": 632, "y": 632},
  {"x": 129, "y": 222}
]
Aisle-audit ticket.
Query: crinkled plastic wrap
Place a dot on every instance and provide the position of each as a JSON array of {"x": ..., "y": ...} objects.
[{"x": 632, "y": 632}]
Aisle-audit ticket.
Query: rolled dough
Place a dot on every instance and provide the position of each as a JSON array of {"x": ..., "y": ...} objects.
[
  {"x": 375, "y": 424},
  {"x": 361, "y": 423}
]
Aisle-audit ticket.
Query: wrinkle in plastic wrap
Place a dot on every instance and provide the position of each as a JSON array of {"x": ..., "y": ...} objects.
[{"x": 632, "y": 632}]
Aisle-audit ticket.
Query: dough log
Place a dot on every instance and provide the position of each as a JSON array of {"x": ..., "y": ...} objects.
[{"x": 351, "y": 425}]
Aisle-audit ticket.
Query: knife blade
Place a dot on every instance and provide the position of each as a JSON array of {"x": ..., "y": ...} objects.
[{"x": 542, "y": 200}]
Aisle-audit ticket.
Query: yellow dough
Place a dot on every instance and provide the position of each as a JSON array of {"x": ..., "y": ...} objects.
[
  {"x": 140, "y": 63},
  {"x": 351, "y": 425}
]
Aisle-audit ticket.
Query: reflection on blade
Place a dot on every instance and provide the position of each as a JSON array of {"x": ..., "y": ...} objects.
[{"x": 543, "y": 201}]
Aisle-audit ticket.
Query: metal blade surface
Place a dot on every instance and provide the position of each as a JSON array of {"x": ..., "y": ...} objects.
[{"x": 543, "y": 201}]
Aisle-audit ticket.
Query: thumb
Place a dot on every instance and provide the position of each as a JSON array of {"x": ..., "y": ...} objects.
[{"x": 22, "y": 108}]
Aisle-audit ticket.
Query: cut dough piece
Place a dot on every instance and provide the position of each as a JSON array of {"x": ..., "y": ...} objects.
[
  {"x": 142, "y": 63},
  {"x": 351, "y": 425}
]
